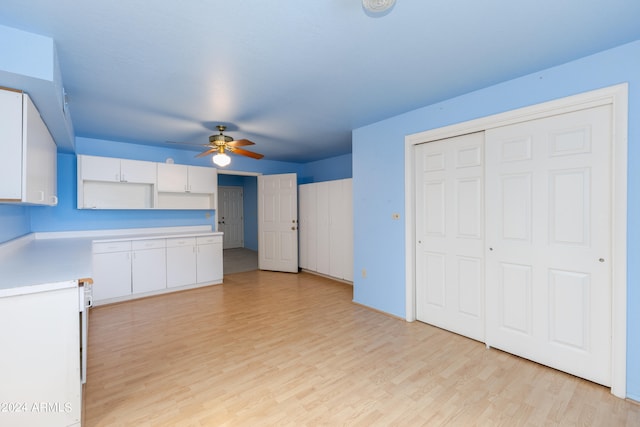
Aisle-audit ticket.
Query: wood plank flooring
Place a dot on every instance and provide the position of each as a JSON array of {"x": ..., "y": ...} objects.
[{"x": 278, "y": 349}]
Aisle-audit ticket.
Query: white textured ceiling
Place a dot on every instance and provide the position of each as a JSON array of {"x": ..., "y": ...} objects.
[{"x": 297, "y": 76}]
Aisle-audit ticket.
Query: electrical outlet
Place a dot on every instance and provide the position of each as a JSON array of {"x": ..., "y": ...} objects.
[{"x": 207, "y": 215}]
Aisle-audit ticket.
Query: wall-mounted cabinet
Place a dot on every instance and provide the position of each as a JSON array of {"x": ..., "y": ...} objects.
[
  {"x": 112, "y": 183},
  {"x": 110, "y": 169},
  {"x": 186, "y": 187},
  {"x": 29, "y": 154}
]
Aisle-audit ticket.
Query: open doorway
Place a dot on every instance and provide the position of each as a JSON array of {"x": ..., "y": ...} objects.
[{"x": 237, "y": 217}]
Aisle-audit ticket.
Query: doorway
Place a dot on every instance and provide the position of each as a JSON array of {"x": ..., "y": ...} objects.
[{"x": 237, "y": 217}]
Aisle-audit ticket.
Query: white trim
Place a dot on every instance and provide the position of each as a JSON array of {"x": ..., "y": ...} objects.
[
  {"x": 617, "y": 97},
  {"x": 230, "y": 172},
  {"x": 113, "y": 233}
]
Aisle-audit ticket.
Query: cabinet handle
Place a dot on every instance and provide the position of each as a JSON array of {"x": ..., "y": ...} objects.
[{"x": 54, "y": 200}]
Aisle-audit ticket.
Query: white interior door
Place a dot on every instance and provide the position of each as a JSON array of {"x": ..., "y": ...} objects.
[
  {"x": 230, "y": 216},
  {"x": 278, "y": 222},
  {"x": 548, "y": 282},
  {"x": 450, "y": 232}
]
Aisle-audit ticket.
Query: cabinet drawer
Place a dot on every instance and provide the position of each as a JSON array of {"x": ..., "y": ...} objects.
[
  {"x": 105, "y": 247},
  {"x": 209, "y": 239},
  {"x": 137, "y": 245},
  {"x": 181, "y": 241}
]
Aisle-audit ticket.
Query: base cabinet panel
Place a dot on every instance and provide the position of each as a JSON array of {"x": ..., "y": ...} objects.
[
  {"x": 181, "y": 262},
  {"x": 129, "y": 269},
  {"x": 111, "y": 275},
  {"x": 41, "y": 384},
  {"x": 209, "y": 260},
  {"x": 149, "y": 271}
]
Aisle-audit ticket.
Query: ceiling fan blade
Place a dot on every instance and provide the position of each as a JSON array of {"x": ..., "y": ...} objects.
[
  {"x": 240, "y": 143},
  {"x": 206, "y": 153},
  {"x": 245, "y": 153}
]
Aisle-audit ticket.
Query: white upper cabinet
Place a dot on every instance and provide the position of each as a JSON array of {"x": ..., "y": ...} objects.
[
  {"x": 187, "y": 187},
  {"x": 112, "y": 183},
  {"x": 174, "y": 178},
  {"x": 29, "y": 154},
  {"x": 109, "y": 169}
]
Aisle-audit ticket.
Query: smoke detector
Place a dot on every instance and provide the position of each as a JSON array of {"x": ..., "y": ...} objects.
[{"x": 377, "y": 6}]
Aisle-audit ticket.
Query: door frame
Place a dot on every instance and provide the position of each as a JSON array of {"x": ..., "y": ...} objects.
[
  {"x": 617, "y": 97},
  {"x": 232, "y": 172}
]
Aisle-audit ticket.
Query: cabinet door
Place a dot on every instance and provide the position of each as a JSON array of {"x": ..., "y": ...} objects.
[
  {"x": 209, "y": 263},
  {"x": 172, "y": 178},
  {"x": 181, "y": 262},
  {"x": 137, "y": 171},
  {"x": 203, "y": 180},
  {"x": 11, "y": 140},
  {"x": 40, "y": 158},
  {"x": 94, "y": 168},
  {"x": 111, "y": 275},
  {"x": 149, "y": 270}
]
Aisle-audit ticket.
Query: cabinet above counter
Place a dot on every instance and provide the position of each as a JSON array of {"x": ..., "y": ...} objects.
[{"x": 112, "y": 183}]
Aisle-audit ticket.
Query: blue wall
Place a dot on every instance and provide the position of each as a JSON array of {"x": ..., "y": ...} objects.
[
  {"x": 338, "y": 167},
  {"x": 378, "y": 180},
  {"x": 14, "y": 221}
]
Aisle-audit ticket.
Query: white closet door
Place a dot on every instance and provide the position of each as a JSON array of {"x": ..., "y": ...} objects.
[
  {"x": 347, "y": 237},
  {"x": 308, "y": 226},
  {"x": 548, "y": 237},
  {"x": 338, "y": 229},
  {"x": 323, "y": 264},
  {"x": 450, "y": 233}
]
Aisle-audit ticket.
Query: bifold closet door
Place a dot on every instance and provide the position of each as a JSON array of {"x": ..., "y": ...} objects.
[
  {"x": 449, "y": 234},
  {"x": 548, "y": 226}
]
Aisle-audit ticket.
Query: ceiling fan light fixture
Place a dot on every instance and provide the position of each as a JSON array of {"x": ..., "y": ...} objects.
[
  {"x": 221, "y": 159},
  {"x": 377, "y": 6}
]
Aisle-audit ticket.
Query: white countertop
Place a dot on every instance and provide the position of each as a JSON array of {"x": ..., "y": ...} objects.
[
  {"x": 57, "y": 260},
  {"x": 48, "y": 262}
]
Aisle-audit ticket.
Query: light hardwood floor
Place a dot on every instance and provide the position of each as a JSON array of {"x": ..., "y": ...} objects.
[{"x": 293, "y": 350}]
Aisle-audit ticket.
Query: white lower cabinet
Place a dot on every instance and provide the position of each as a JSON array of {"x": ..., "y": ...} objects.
[
  {"x": 111, "y": 270},
  {"x": 133, "y": 268},
  {"x": 181, "y": 261},
  {"x": 209, "y": 259},
  {"x": 149, "y": 272}
]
